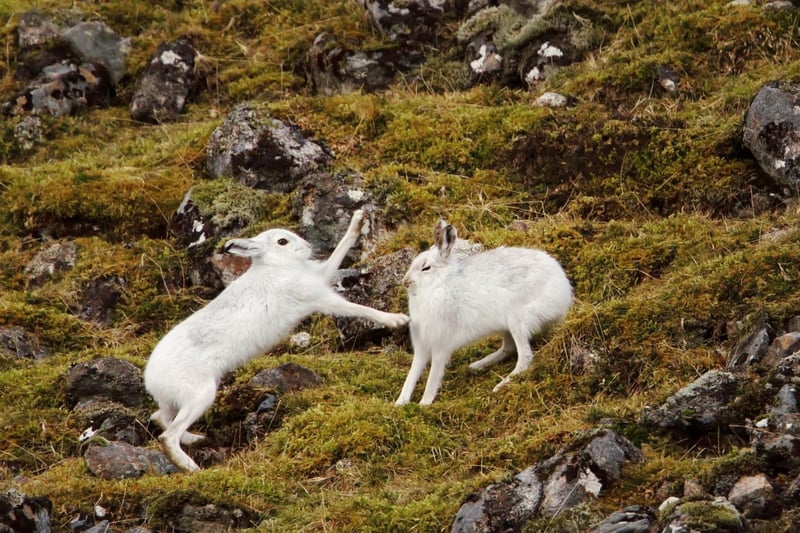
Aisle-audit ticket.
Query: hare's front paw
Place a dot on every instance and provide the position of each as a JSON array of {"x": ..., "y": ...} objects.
[
  {"x": 358, "y": 220},
  {"x": 395, "y": 320}
]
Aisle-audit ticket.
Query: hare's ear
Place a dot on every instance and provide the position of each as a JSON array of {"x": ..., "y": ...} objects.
[{"x": 444, "y": 235}]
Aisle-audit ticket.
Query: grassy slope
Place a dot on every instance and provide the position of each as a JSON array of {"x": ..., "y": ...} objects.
[{"x": 632, "y": 190}]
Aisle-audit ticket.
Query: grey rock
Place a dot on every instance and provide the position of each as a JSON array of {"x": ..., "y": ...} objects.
[
  {"x": 64, "y": 88},
  {"x": 22, "y": 513},
  {"x": 323, "y": 204},
  {"x": 408, "y": 21},
  {"x": 333, "y": 68},
  {"x": 786, "y": 400},
  {"x": 171, "y": 78},
  {"x": 107, "y": 379},
  {"x": 750, "y": 349},
  {"x": 288, "y": 377},
  {"x": 701, "y": 406},
  {"x": 667, "y": 77},
  {"x": 104, "y": 526},
  {"x": 501, "y": 506},
  {"x": 574, "y": 475},
  {"x": 20, "y": 344},
  {"x": 754, "y": 496},
  {"x": 120, "y": 460},
  {"x": 36, "y": 30},
  {"x": 50, "y": 262},
  {"x": 28, "y": 132},
  {"x": 95, "y": 42},
  {"x": 717, "y": 515},
  {"x": 99, "y": 299},
  {"x": 632, "y": 519},
  {"x": 262, "y": 152},
  {"x": 772, "y": 132}
]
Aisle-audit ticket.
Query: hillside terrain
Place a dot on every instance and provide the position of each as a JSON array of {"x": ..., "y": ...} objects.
[{"x": 681, "y": 249}]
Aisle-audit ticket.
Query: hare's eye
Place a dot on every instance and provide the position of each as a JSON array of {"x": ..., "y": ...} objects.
[
  {"x": 426, "y": 268},
  {"x": 283, "y": 242}
]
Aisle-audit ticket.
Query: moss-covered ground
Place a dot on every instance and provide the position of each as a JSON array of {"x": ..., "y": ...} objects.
[{"x": 675, "y": 241}]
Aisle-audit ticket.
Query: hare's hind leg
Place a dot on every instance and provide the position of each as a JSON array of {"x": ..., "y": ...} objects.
[
  {"x": 163, "y": 417},
  {"x": 506, "y": 350},
  {"x": 520, "y": 334},
  {"x": 202, "y": 398}
]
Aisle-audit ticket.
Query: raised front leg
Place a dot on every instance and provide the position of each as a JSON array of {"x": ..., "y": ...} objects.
[
  {"x": 334, "y": 304},
  {"x": 349, "y": 240}
]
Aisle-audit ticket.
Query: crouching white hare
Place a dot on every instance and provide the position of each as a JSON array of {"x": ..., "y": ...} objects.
[
  {"x": 281, "y": 288},
  {"x": 456, "y": 301}
]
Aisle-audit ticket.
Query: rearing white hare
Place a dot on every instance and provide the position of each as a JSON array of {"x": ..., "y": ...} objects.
[
  {"x": 281, "y": 288},
  {"x": 456, "y": 301}
]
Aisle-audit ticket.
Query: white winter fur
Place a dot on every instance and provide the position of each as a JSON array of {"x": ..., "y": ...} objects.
[
  {"x": 456, "y": 301},
  {"x": 252, "y": 314}
]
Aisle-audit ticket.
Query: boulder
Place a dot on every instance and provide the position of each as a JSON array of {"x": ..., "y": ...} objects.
[
  {"x": 754, "y": 496},
  {"x": 20, "y": 513},
  {"x": 262, "y": 152},
  {"x": 170, "y": 80},
  {"x": 702, "y": 406},
  {"x": 632, "y": 519},
  {"x": 717, "y": 515},
  {"x": 334, "y": 68},
  {"x": 20, "y": 344},
  {"x": 107, "y": 379},
  {"x": 50, "y": 262},
  {"x": 120, "y": 460},
  {"x": 576, "y": 474},
  {"x": 772, "y": 132}
]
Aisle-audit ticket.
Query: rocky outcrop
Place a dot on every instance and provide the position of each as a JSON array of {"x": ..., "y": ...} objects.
[
  {"x": 772, "y": 132},
  {"x": 171, "y": 79},
  {"x": 262, "y": 152},
  {"x": 576, "y": 474}
]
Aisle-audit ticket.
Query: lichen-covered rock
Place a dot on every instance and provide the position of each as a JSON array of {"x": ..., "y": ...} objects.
[
  {"x": 772, "y": 132},
  {"x": 120, "y": 460},
  {"x": 701, "y": 406},
  {"x": 262, "y": 152},
  {"x": 170, "y": 80},
  {"x": 99, "y": 299},
  {"x": 632, "y": 519},
  {"x": 323, "y": 204},
  {"x": 717, "y": 515},
  {"x": 524, "y": 42},
  {"x": 751, "y": 348},
  {"x": 108, "y": 379},
  {"x": 20, "y": 513},
  {"x": 576, "y": 474},
  {"x": 51, "y": 261},
  {"x": 333, "y": 68},
  {"x": 783, "y": 346},
  {"x": 93, "y": 41},
  {"x": 20, "y": 344},
  {"x": 64, "y": 88},
  {"x": 28, "y": 132},
  {"x": 408, "y": 21},
  {"x": 754, "y": 496}
]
